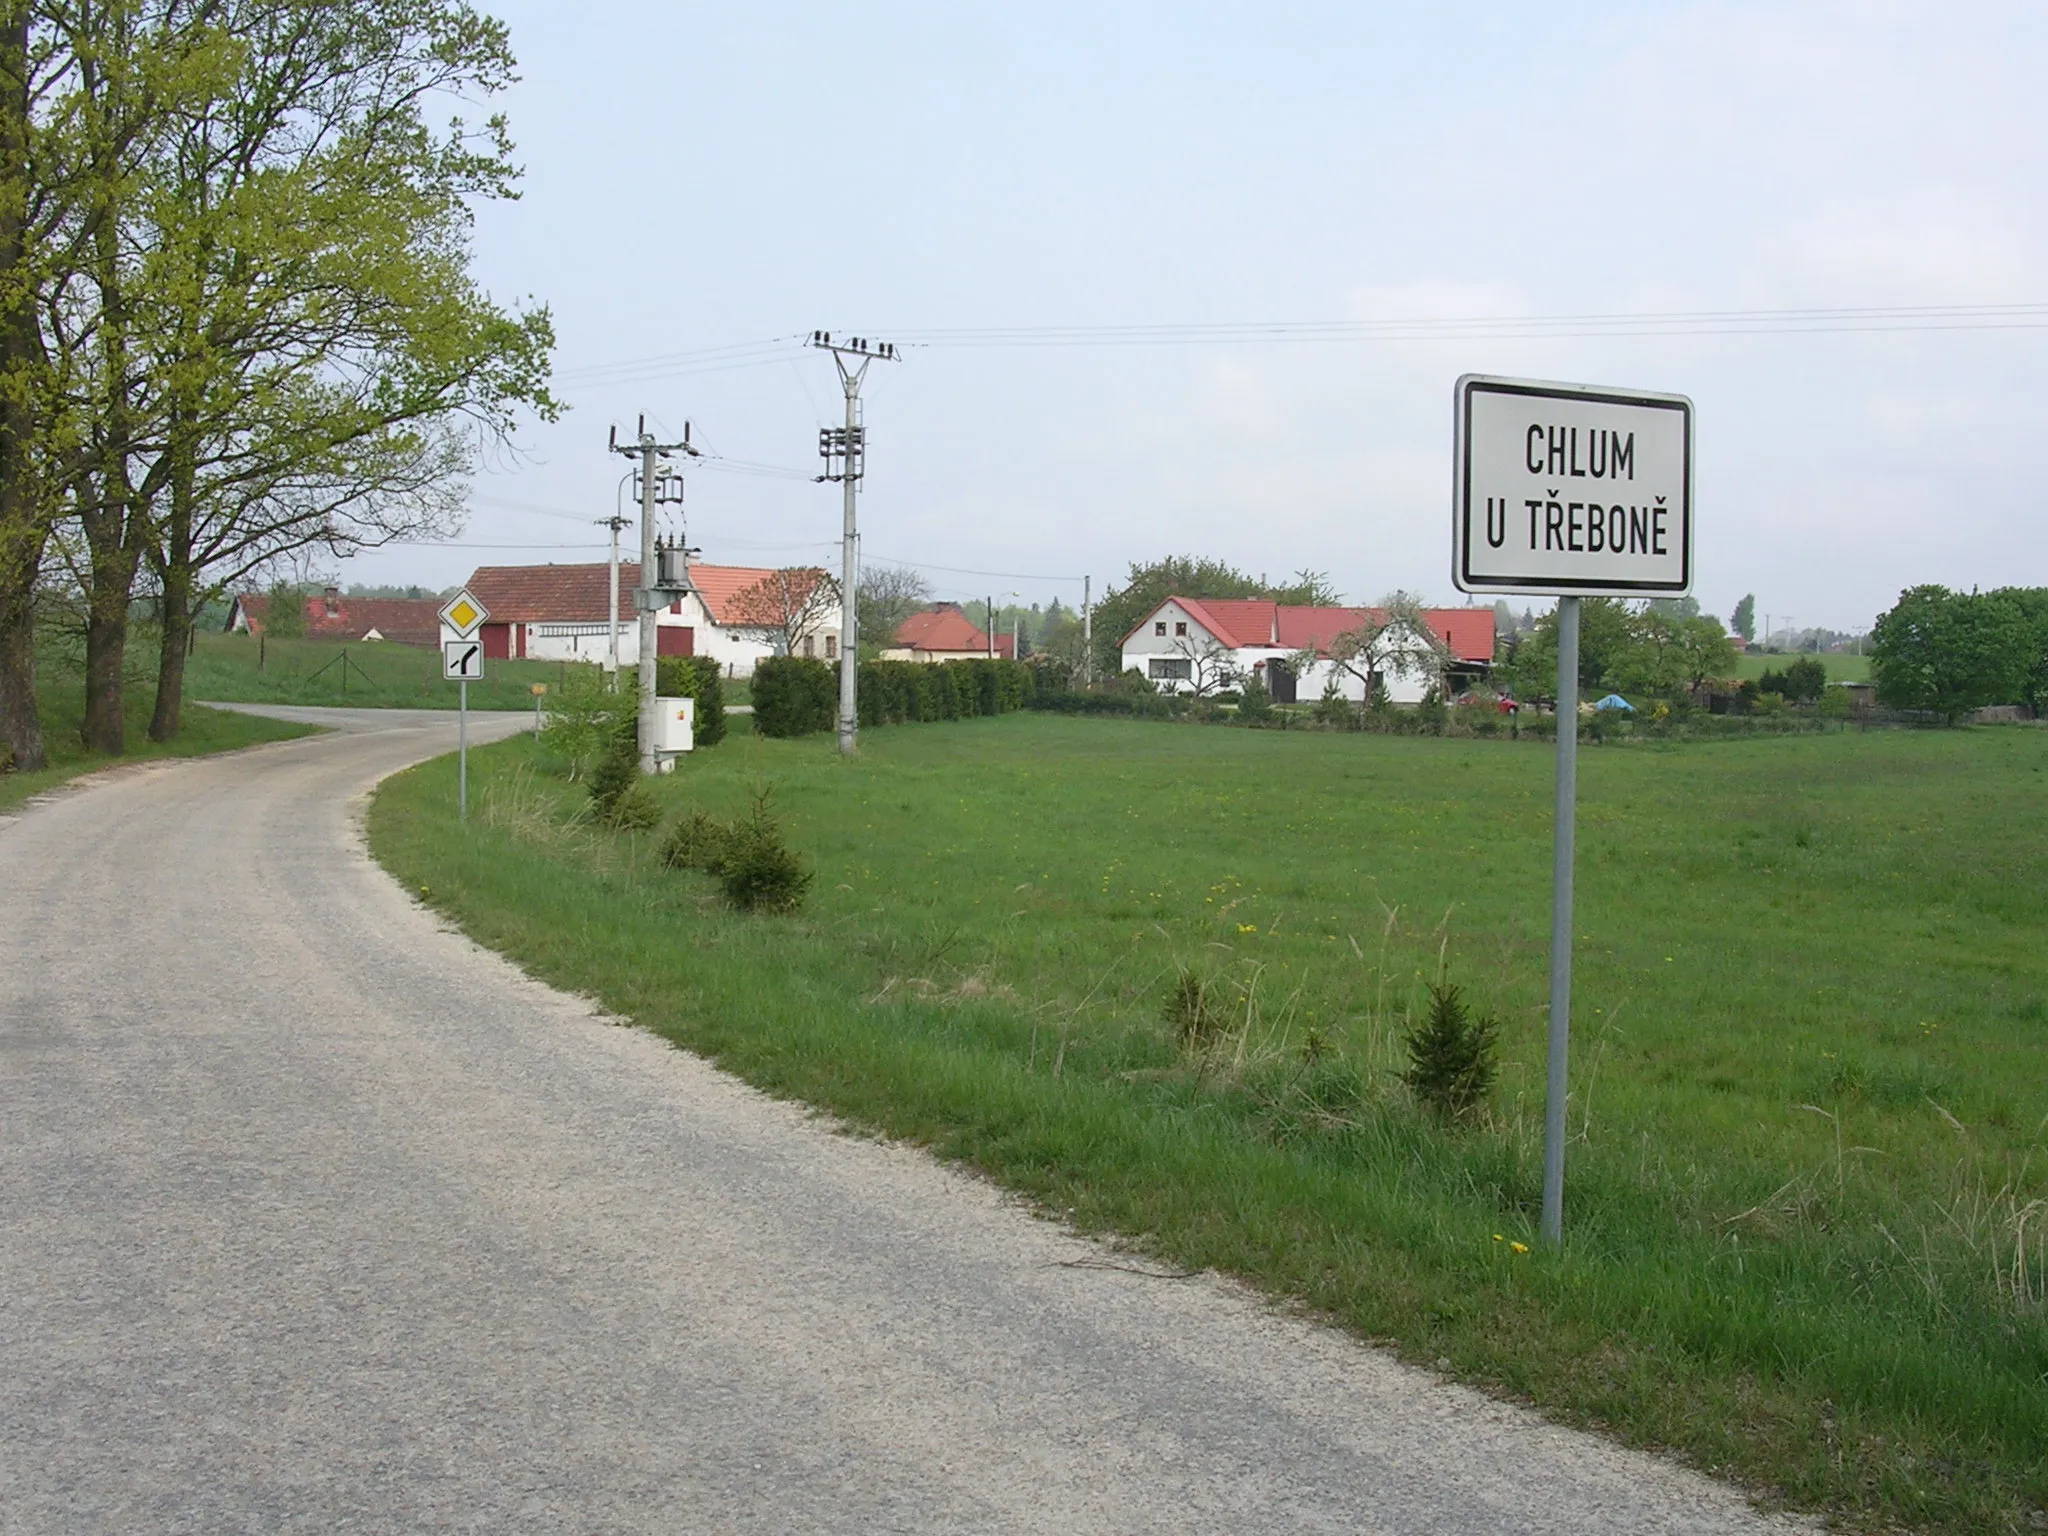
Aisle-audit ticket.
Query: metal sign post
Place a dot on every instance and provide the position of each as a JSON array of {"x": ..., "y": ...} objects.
[
  {"x": 462, "y": 659},
  {"x": 1569, "y": 491}
]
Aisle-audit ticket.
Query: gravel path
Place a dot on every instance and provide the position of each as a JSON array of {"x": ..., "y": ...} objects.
[{"x": 314, "y": 1216}]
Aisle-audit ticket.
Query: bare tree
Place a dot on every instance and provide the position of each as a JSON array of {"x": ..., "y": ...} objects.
[
  {"x": 785, "y": 608},
  {"x": 889, "y": 594},
  {"x": 1395, "y": 640},
  {"x": 1211, "y": 667}
]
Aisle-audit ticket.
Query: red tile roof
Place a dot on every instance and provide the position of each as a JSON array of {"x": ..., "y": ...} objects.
[
  {"x": 577, "y": 594},
  {"x": 402, "y": 620},
  {"x": 1241, "y": 622},
  {"x": 944, "y": 627}
]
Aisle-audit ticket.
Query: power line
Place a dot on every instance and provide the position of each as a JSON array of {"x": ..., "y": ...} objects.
[
  {"x": 1837, "y": 320},
  {"x": 704, "y": 359},
  {"x": 1932, "y": 317},
  {"x": 463, "y": 544}
]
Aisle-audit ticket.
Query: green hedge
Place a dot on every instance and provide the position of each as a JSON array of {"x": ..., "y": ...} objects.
[
  {"x": 794, "y": 696},
  {"x": 899, "y": 692},
  {"x": 699, "y": 678}
]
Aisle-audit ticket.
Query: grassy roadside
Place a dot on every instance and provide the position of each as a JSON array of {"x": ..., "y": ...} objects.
[
  {"x": 1807, "y": 1169},
  {"x": 63, "y": 707}
]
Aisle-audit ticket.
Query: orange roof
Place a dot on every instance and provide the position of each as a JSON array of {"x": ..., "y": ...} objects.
[
  {"x": 944, "y": 627},
  {"x": 577, "y": 594},
  {"x": 1241, "y": 622}
]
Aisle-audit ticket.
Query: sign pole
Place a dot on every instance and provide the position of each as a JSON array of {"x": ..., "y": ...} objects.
[
  {"x": 462, "y": 752},
  {"x": 1557, "y": 1080}
]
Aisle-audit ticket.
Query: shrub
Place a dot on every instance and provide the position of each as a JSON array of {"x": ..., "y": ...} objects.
[
  {"x": 617, "y": 796},
  {"x": 1431, "y": 715},
  {"x": 699, "y": 678},
  {"x": 1333, "y": 708},
  {"x": 757, "y": 870},
  {"x": 1254, "y": 703},
  {"x": 696, "y": 841},
  {"x": 794, "y": 696},
  {"x": 583, "y": 715},
  {"x": 1835, "y": 703},
  {"x": 1452, "y": 1057}
]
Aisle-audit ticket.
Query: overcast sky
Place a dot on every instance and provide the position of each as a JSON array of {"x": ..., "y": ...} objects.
[{"x": 699, "y": 177}]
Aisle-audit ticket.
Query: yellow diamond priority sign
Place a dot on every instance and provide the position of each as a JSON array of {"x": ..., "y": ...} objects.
[{"x": 463, "y": 614}]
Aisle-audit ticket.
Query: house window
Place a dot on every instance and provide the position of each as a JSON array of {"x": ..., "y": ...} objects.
[
  {"x": 810, "y": 645},
  {"x": 1181, "y": 628},
  {"x": 1159, "y": 628},
  {"x": 1171, "y": 669},
  {"x": 831, "y": 647}
]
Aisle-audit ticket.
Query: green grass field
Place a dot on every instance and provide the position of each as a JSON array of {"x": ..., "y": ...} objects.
[
  {"x": 378, "y": 675},
  {"x": 61, "y": 699},
  {"x": 1843, "y": 666},
  {"x": 1805, "y": 1208}
]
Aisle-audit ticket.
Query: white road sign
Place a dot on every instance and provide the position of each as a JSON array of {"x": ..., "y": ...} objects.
[
  {"x": 462, "y": 661},
  {"x": 463, "y": 614},
  {"x": 1566, "y": 489}
]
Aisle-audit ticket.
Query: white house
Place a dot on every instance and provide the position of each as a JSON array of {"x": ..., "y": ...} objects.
[
  {"x": 1203, "y": 645},
  {"x": 943, "y": 632},
  {"x": 734, "y": 614}
]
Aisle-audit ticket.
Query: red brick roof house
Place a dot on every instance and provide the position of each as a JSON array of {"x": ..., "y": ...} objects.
[
  {"x": 331, "y": 616},
  {"x": 943, "y": 632},
  {"x": 735, "y": 614},
  {"x": 1199, "y": 645}
]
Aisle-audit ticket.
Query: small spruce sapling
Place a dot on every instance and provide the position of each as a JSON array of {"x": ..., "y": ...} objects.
[
  {"x": 618, "y": 797},
  {"x": 757, "y": 870},
  {"x": 1452, "y": 1057}
]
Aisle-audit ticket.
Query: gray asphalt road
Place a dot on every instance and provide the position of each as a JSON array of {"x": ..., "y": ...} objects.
[{"x": 315, "y": 1217}]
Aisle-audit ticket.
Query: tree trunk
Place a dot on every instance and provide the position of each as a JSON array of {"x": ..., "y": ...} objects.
[
  {"x": 113, "y": 528},
  {"x": 174, "y": 571},
  {"x": 105, "y": 727},
  {"x": 170, "y": 668},
  {"x": 24, "y": 527}
]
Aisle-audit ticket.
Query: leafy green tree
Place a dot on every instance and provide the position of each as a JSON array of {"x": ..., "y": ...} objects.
[
  {"x": 1743, "y": 620},
  {"x": 263, "y": 335},
  {"x": 1952, "y": 652},
  {"x": 325, "y": 369},
  {"x": 2032, "y": 604},
  {"x": 1605, "y": 625},
  {"x": 284, "y": 612}
]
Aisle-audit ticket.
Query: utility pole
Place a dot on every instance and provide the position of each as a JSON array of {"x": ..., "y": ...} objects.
[
  {"x": 662, "y": 570},
  {"x": 989, "y": 633},
  {"x": 1087, "y": 633},
  {"x": 844, "y": 450},
  {"x": 615, "y": 522}
]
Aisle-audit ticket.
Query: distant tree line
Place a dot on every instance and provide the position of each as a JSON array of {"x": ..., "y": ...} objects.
[{"x": 237, "y": 321}]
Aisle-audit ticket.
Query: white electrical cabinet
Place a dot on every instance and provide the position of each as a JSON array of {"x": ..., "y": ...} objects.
[{"x": 676, "y": 725}]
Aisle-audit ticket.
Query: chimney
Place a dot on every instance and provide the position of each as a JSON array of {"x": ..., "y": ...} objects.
[{"x": 332, "y": 597}]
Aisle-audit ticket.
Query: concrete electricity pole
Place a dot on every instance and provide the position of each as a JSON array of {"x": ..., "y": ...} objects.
[
  {"x": 844, "y": 449},
  {"x": 615, "y": 522},
  {"x": 657, "y": 579},
  {"x": 1087, "y": 632}
]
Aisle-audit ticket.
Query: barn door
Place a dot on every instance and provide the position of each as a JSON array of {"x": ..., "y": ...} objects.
[{"x": 1280, "y": 681}]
